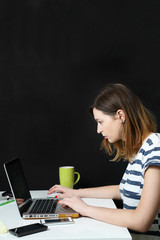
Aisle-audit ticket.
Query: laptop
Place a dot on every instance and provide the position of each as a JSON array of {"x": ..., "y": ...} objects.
[{"x": 28, "y": 207}]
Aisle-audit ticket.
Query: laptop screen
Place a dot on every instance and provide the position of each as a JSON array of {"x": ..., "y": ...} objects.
[{"x": 17, "y": 182}]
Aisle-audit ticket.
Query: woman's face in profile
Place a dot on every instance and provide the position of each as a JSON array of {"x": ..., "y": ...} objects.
[{"x": 110, "y": 126}]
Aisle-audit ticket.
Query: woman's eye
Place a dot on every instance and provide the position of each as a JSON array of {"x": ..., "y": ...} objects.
[{"x": 100, "y": 122}]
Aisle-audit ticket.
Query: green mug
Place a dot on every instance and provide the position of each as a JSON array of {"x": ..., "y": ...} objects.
[{"x": 66, "y": 176}]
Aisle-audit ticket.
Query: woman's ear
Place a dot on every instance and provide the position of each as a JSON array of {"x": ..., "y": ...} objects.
[{"x": 121, "y": 115}]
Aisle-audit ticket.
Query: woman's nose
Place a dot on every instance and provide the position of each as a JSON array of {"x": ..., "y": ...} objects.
[{"x": 99, "y": 130}]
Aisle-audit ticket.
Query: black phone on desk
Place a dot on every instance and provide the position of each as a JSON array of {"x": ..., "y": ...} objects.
[{"x": 28, "y": 229}]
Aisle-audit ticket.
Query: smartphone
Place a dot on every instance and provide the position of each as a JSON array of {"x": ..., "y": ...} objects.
[
  {"x": 28, "y": 229},
  {"x": 54, "y": 221}
]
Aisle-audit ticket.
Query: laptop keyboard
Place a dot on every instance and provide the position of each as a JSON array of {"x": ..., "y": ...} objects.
[{"x": 44, "y": 206}]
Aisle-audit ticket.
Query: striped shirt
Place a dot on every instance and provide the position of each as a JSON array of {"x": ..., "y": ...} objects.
[{"x": 132, "y": 182}]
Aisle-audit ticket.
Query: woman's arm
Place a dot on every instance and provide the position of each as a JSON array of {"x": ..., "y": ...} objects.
[
  {"x": 98, "y": 192},
  {"x": 140, "y": 219},
  {"x": 111, "y": 192}
]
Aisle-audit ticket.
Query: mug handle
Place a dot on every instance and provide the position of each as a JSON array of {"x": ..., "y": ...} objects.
[{"x": 78, "y": 177}]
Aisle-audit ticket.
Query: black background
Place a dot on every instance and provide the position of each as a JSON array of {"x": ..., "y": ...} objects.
[{"x": 55, "y": 57}]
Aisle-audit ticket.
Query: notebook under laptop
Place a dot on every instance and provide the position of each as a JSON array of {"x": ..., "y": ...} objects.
[{"x": 32, "y": 208}]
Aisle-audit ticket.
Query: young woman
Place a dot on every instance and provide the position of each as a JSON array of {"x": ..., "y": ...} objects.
[{"x": 129, "y": 130}]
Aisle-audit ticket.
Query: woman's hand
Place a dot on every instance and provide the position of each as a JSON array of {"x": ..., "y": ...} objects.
[
  {"x": 76, "y": 203},
  {"x": 65, "y": 192}
]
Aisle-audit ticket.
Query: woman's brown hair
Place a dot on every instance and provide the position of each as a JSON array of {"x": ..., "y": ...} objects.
[{"x": 138, "y": 120}]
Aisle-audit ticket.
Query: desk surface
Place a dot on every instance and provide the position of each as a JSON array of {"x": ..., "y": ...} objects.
[{"x": 83, "y": 229}]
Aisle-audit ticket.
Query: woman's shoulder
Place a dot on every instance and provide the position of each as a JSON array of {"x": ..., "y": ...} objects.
[
  {"x": 151, "y": 150},
  {"x": 153, "y": 140}
]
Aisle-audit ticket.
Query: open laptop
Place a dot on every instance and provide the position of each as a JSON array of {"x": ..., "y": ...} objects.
[{"x": 32, "y": 208}]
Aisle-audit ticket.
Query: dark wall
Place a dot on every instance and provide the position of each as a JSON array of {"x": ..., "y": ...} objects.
[{"x": 55, "y": 56}]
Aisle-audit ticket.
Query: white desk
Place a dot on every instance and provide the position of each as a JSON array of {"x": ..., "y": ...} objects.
[{"x": 83, "y": 229}]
